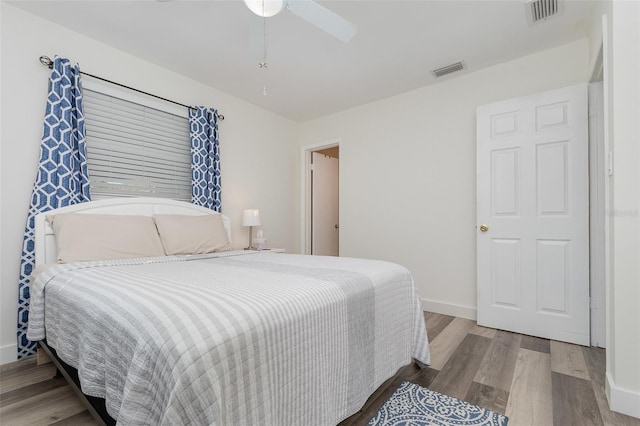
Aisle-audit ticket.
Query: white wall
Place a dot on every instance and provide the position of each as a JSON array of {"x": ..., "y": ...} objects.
[
  {"x": 259, "y": 150},
  {"x": 407, "y": 174},
  {"x": 622, "y": 83},
  {"x": 408, "y": 171}
]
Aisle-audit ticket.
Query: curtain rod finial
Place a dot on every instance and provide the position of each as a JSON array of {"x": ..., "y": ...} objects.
[{"x": 46, "y": 61}]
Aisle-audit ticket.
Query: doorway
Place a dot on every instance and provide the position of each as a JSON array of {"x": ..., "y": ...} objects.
[{"x": 321, "y": 199}]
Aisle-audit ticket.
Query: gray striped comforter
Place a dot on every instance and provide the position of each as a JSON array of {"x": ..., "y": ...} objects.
[{"x": 261, "y": 339}]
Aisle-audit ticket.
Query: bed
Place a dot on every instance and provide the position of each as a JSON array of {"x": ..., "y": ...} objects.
[{"x": 230, "y": 338}]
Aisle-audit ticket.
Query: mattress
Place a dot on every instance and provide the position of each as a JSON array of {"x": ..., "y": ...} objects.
[{"x": 261, "y": 338}]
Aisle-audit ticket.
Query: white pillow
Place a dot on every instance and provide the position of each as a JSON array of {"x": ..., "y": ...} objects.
[
  {"x": 84, "y": 237},
  {"x": 184, "y": 234}
]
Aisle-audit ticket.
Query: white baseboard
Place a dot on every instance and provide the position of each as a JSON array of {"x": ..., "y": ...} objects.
[
  {"x": 468, "y": 312},
  {"x": 621, "y": 400},
  {"x": 8, "y": 353}
]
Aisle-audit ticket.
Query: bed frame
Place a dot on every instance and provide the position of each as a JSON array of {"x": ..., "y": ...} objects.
[
  {"x": 46, "y": 252},
  {"x": 45, "y": 240},
  {"x": 95, "y": 406}
]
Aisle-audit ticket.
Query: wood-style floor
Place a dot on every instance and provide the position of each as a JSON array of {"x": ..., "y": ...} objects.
[{"x": 533, "y": 381}]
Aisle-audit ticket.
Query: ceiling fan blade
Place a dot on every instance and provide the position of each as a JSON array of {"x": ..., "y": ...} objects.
[{"x": 323, "y": 18}]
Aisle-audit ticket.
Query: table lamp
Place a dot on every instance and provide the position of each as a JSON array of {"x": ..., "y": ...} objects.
[{"x": 251, "y": 218}]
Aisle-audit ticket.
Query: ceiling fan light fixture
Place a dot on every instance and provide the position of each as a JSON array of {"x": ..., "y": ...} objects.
[{"x": 265, "y": 8}]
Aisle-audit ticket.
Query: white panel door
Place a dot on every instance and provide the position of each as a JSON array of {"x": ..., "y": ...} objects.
[
  {"x": 324, "y": 205},
  {"x": 533, "y": 198}
]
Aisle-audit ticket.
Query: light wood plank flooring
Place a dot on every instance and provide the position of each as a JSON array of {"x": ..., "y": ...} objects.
[{"x": 533, "y": 381}]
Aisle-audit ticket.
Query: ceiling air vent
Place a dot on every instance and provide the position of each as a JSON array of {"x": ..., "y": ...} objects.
[
  {"x": 541, "y": 10},
  {"x": 448, "y": 69}
]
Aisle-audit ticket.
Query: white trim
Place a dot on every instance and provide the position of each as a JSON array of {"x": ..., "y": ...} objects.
[
  {"x": 305, "y": 160},
  {"x": 131, "y": 96},
  {"x": 468, "y": 312},
  {"x": 621, "y": 400},
  {"x": 596, "y": 65},
  {"x": 597, "y": 214},
  {"x": 8, "y": 353},
  {"x": 606, "y": 96}
]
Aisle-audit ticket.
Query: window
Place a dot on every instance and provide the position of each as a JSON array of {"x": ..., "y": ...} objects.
[{"x": 135, "y": 150}]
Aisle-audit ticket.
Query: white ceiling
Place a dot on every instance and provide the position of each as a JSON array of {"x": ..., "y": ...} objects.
[{"x": 310, "y": 73}]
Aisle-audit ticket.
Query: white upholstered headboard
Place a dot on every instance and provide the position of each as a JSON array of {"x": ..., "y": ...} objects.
[{"x": 45, "y": 240}]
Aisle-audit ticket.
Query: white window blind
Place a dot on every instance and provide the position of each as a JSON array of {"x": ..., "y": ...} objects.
[{"x": 134, "y": 150}]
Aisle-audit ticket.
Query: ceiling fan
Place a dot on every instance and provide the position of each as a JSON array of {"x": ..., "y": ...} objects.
[{"x": 310, "y": 11}]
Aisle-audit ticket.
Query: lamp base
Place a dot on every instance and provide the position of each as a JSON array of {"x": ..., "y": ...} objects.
[{"x": 251, "y": 247}]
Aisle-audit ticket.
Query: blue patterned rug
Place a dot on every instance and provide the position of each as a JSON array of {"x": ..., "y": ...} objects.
[{"x": 414, "y": 405}]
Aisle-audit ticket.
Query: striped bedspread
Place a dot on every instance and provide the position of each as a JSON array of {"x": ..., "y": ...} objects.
[{"x": 259, "y": 339}]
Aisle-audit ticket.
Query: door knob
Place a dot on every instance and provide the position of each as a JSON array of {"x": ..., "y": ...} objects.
[
  {"x": 336, "y": 226},
  {"x": 484, "y": 228}
]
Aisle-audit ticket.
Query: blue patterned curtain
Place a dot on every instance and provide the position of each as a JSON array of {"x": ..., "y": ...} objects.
[
  {"x": 205, "y": 157},
  {"x": 62, "y": 177}
]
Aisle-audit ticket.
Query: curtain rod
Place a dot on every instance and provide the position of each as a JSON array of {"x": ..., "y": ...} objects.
[{"x": 46, "y": 61}]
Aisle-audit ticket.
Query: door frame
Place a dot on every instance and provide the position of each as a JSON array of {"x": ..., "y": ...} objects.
[
  {"x": 305, "y": 192},
  {"x": 597, "y": 215},
  {"x": 599, "y": 194}
]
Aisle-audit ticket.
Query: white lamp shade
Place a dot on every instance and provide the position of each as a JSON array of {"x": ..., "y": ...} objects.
[
  {"x": 251, "y": 217},
  {"x": 265, "y": 8}
]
